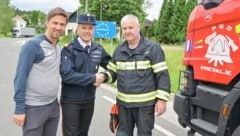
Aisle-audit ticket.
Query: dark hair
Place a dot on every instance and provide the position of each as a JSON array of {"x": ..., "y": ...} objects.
[{"x": 57, "y": 11}]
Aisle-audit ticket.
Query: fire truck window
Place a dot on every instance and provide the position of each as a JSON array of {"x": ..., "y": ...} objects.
[{"x": 208, "y": 4}]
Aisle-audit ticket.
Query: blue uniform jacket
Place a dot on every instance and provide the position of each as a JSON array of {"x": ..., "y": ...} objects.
[{"x": 78, "y": 68}]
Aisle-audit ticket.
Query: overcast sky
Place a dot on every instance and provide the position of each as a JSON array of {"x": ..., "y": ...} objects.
[
  {"x": 71, "y": 5},
  {"x": 45, "y": 5}
]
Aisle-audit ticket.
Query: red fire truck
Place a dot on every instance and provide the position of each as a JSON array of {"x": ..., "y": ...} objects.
[{"x": 208, "y": 101}]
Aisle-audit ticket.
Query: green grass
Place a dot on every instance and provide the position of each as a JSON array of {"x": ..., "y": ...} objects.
[{"x": 174, "y": 56}]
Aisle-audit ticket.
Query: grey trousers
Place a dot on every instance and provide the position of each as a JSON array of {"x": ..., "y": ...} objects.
[
  {"x": 142, "y": 117},
  {"x": 42, "y": 120}
]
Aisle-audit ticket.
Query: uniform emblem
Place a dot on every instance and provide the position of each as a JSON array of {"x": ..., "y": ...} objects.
[
  {"x": 88, "y": 17},
  {"x": 208, "y": 16}
]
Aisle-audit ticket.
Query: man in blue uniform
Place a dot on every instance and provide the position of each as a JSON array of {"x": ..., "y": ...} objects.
[{"x": 79, "y": 66}]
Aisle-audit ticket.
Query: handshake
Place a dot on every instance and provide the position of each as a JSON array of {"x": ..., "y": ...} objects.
[{"x": 100, "y": 78}]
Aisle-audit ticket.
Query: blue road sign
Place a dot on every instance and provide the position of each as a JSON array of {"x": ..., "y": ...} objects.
[{"x": 105, "y": 29}]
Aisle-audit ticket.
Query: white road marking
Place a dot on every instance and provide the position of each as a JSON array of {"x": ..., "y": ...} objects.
[
  {"x": 157, "y": 127},
  {"x": 164, "y": 131},
  {"x": 109, "y": 99}
]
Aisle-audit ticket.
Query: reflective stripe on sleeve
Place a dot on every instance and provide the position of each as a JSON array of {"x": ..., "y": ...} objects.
[
  {"x": 163, "y": 95},
  {"x": 110, "y": 80},
  {"x": 159, "y": 67},
  {"x": 112, "y": 66}
]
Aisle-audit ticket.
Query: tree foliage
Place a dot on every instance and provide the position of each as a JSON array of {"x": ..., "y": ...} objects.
[
  {"x": 189, "y": 7},
  {"x": 38, "y": 19},
  {"x": 163, "y": 22},
  {"x": 114, "y": 10},
  {"x": 34, "y": 18},
  {"x": 172, "y": 22},
  {"x": 7, "y": 13},
  {"x": 176, "y": 31}
]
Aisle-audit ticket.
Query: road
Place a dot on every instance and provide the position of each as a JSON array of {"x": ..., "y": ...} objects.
[{"x": 165, "y": 125}]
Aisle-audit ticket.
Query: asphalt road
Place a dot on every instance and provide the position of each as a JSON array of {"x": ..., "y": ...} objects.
[{"x": 165, "y": 125}]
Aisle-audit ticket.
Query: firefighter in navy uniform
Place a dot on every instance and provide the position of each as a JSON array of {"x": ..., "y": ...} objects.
[
  {"x": 80, "y": 61},
  {"x": 143, "y": 82}
]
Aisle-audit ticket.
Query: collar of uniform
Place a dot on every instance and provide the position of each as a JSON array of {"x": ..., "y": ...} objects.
[
  {"x": 141, "y": 45},
  {"x": 83, "y": 44}
]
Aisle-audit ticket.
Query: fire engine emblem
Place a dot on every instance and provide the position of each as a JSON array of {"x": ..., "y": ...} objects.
[
  {"x": 208, "y": 16},
  {"x": 219, "y": 48}
]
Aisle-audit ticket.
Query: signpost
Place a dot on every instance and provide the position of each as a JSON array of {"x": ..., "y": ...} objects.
[{"x": 105, "y": 29}]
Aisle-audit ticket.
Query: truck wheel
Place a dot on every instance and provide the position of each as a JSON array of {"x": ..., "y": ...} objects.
[{"x": 191, "y": 132}]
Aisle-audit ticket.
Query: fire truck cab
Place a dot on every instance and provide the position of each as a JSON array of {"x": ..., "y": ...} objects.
[{"x": 208, "y": 101}]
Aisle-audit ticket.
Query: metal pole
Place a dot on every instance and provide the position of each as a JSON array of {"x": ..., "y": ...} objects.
[
  {"x": 86, "y": 5},
  {"x": 77, "y": 16},
  {"x": 101, "y": 6}
]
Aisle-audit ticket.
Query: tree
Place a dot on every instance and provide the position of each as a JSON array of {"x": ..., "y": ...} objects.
[
  {"x": 189, "y": 7},
  {"x": 26, "y": 18},
  {"x": 114, "y": 10},
  {"x": 6, "y": 23},
  {"x": 163, "y": 22},
  {"x": 34, "y": 18},
  {"x": 38, "y": 19},
  {"x": 177, "y": 26}
]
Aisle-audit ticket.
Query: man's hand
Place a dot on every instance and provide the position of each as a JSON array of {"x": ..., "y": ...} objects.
[
  {"x": 19, "y": 119},
  {"x": 160, "y": 107},
  {"x": 99, "y": 79}
]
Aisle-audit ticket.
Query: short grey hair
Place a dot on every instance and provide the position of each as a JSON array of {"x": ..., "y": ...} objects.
[{"x": 130, "y": 17}]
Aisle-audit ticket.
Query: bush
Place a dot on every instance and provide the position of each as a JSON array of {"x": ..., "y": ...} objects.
[{"x": 66, "y": 39}]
